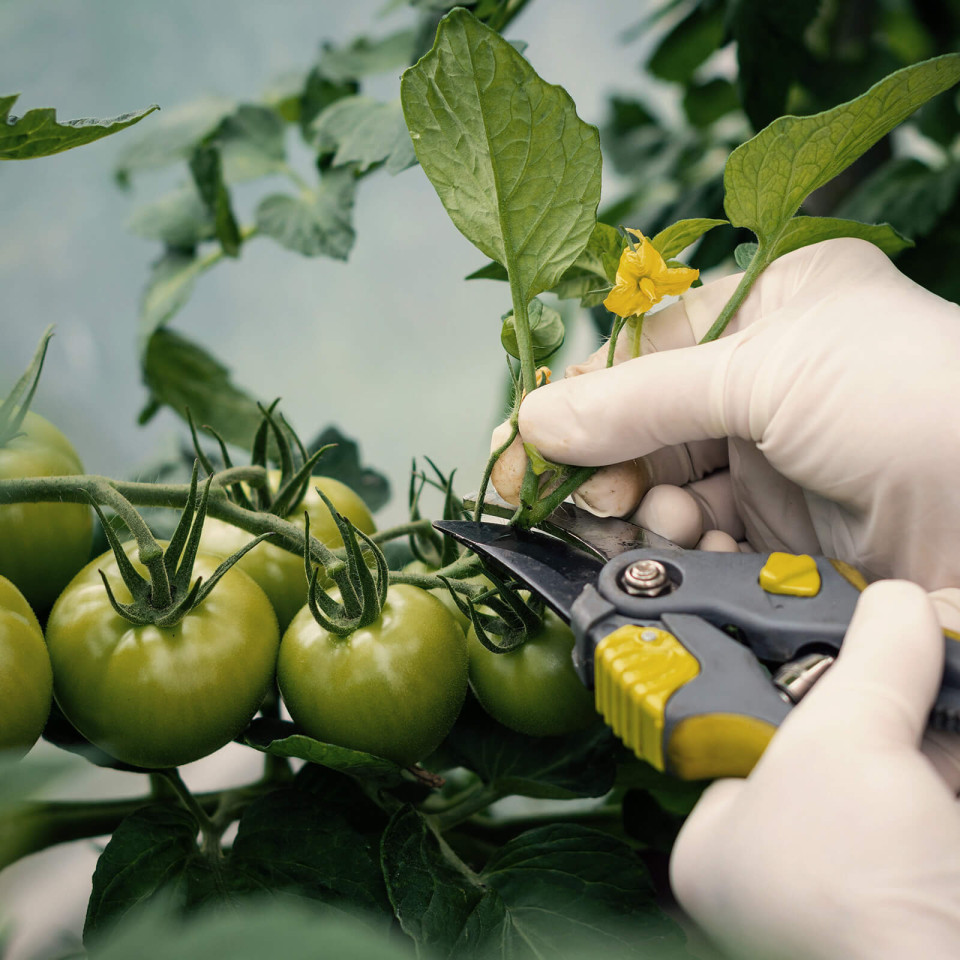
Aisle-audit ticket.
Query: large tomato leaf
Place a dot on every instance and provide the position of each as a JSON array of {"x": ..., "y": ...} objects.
[
  {"x": 560, "y": 768},
  {"x": 251, "y": 141},
  {"x": 551, "y": 892},
  {"x": 206, "y": 166},
  {"x": 38, "y": 133},
  {"x": 343, "y": 463},
  {"x": 767, "y": 178},
  {"x": 515, "y": 167},
  {"x": 322, "y": 844}
]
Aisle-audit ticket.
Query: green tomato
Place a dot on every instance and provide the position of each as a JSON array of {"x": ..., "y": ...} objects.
[
  {"x": 535, "y": 688},
  {"x": 26, "y": 682},
  {"x": 42, "y": 545},
  {"x": 279, "y": 572},
  {"x": 393, "y": 688},
  {"x": 161, "y": 696}
]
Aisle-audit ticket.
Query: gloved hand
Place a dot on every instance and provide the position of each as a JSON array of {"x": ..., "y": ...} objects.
[
  {"x": 824, "y": 420},
  {"x": 844, "y": 842}
]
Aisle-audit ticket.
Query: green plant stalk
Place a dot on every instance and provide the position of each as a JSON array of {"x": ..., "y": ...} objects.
[
  {"x": 471, "y": 801},
  {"x": 618, "y": 325},
  {"x": 543, "y": 508},
  {"x": 32, "y": 827},
  {"x": 761, "y": 260},
  {"x": 491, "y": 460},
  {"x": 80, "y": 489},
  {"x": 209, "y": 831}
]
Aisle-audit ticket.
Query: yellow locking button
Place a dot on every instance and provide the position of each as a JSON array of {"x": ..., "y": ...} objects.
[
  {"x": 636, "y": 670},
  {"x": 794, "y": 575}
]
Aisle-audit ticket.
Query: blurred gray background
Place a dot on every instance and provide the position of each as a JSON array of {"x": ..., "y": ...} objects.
[{"x": 393, "y": 346}]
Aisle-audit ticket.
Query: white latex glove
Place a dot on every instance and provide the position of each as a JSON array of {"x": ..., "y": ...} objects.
[
  {"x": 834, "y": 398},
  {"x": 844, "y": 842}
]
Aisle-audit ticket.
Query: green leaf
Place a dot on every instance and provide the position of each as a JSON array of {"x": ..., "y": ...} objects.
[
  {"x": 767, "y": 178},
  {"x": 253, "y": 930},
  {"x": 538, "y": 462},
  {"x": 321, "y": 845},
  {"x": 492, "y": 271},
  {"x": 178, "y": 219},
  {"x": 558, "y": 768},
  {"x": 770, "y": 50},
  {"x": 317, "y": 224},
  {"x": 180, "y": 374},
  {"x": 744, "y": 253},
  {"x": 594, "y": 272},
  {"x": 38, "y": 133},
  {"x": 688, "y": 44},
  {"x": 366, "y": 57},
  {"x": 362, "y": 131},
  {"x": 906, "y": 193},
  {"x": 343, "y": 463},
  {"x": 551, "y": 892},
  {"x": 434, "y": 896},
  {"x": 282, "y": 739},
  {"x": 251, "y": 142},
  {"x": 678, "y": 236},
  {"x": 515, "y": 167},
  {"x": 705, "y": 103},
  {"x": 173, "y": 136},
  {"x": 546, "y": 332},
  {"x": 207, "y": 170},
  {"x": 802, "y": 231},
  {"x": 313, "y": 841},
  {"x": 319, "y": 92},
  {"x": 152, "y": 849},
  {"x": 168, "y": 289}
]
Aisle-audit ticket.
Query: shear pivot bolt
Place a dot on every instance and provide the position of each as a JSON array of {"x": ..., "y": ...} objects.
[{"x": 645, "y": 578}]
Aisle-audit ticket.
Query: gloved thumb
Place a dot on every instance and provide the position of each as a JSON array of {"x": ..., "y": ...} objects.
[
  {"x": 886, "y": 677},
  {"x": 632, "y": 409}
]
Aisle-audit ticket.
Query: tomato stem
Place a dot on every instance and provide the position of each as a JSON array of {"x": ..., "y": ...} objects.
[
  {"x": 761, "y": 260},
  {"x": 475, "y": 798},
  {"x": 491, "y": 461},
  {"x": 210, "y": 832}
]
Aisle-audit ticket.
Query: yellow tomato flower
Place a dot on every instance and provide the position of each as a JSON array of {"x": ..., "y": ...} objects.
[{"x": 643, "y": 279}]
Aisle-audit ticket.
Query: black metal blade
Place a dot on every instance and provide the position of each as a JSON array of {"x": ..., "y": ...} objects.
[{"x": 554, "y": 570}]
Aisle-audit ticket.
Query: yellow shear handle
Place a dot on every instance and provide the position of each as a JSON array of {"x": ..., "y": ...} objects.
[{"x": 636, "y": 670}]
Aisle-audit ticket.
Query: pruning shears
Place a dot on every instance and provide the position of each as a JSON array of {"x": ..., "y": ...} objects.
[{"x": 695, "y": 658}]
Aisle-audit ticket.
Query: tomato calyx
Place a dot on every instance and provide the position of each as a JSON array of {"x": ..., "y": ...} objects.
[
  {"x": 166, "y": 596},
  {"x": 501, "y": 611},
  {"x": 15, "y": 406},
  {"x": 428, "y": 546},
  {"x": 296, "y": 464},
  {"x": 363, "y": 591}
]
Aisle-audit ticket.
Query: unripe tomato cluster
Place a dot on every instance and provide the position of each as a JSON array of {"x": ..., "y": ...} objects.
[{"x": 160, "y": 696}]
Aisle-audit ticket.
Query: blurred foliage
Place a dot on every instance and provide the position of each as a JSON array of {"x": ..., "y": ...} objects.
[{"x": 723, "y": 69}]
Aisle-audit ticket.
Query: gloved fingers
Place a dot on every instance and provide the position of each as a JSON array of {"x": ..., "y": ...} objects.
[
  {"x": 716, "y": 541},
  {"x": 686, "y": 462},
  {"x": 942, "y": 749},
  {"x": 717, "y": 502},
  {"x": 614, "y": 490},
  {"x": 632, "y": 409},
  {"x": 697, "y": 837},
  {"x": 773, "y": 509},
  {"x": 671, "y": 512},
  {"x": 886, "y": 676}
]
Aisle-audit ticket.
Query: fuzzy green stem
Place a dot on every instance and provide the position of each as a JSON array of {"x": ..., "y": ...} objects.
[
  {"x": 635, "y": 334},
  {"x": 618, "y": 324},
  {"x": 209, "y": 831},
  {"x": 471, "y": 801},
  {"x": 32, "y": 827},
  {"x": 761, "y": 260},
  {"x": 80, "y": 488},
  {"x": 491, "y": 460},
  {"x": 543, "y": 508}
]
